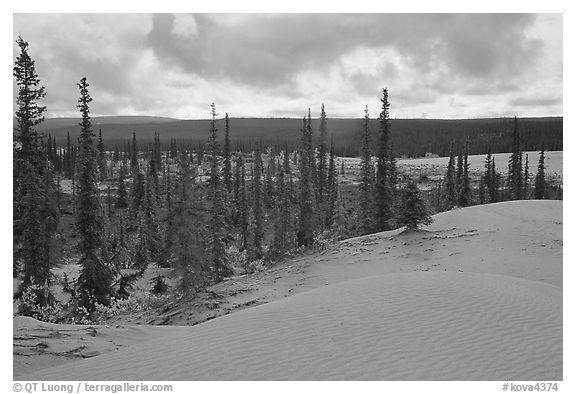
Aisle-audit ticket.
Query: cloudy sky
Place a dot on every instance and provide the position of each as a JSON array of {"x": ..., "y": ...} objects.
[{"x": 278, "y": 65}]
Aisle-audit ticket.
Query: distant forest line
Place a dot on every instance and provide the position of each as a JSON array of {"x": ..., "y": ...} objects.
[{"x": 410, "y": 137}]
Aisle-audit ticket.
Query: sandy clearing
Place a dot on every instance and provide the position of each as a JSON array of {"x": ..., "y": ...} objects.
[
  {"x": 521, "y": 239},
  {"x": 39, "y": 345},
  {"x": 553, "y": 162},
  {"x": 408, "y": 326}
]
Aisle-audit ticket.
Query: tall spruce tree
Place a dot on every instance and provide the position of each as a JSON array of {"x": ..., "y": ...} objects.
[
  {"x": 217, "y": 197},
  {"x": 384, "y": 200},
  {"x": 459, "y": 172},
  {"x": 312, "y": 162},
  {"x": 149, "y": 226},
  {"x": 29, "y": 157},
  {"x": 109, "y": 205},
  {"x": 282, "y": 241},
  {"x": 332, "y": 186},
  {"x": 494, "y": 182},
  {"x": 157, "y": 152},
  {"x": 29, "y": 113},
  {"x": 227, "y": 170},
  {"x": 515, "y": 164},
  {"x": 243, "y": 206},
  {"x": 137, "y": 194},
  {"x": 366, "y": 202},
  {"x": 464, "y": 191},
  {"x": 134, "y": 155},
  {"x": 322, "y": 152},
  {"x": 486, "y": 180},
  {"x": 95, "y": 279},
  {"x": 153, "y": 167},
  {"x": 540, "y": 182},
  {"x": 122, "y": 200},
  {"x": 305, "y": 231},
  {"x": 525, "y": 180},
  {"x": 450, "y": 195},
  {"x": 101, "y": 156},
  {"x": 236, "y": 182},
  {"x": 269, "y": 190},
  {"x": 258, "y": 203},
  {"x": 35, "y": 217},
  {"x": 68, "y": 164}
]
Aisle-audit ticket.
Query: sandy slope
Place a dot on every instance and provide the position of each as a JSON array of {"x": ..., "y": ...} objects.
[
  {"x": 388, "y": 306},
  {"x": 421, "y": 325},
  {"x": 38, "y": 345},
  {"x": 521, "y": 239},
  {"x": 553, "y": 162}
]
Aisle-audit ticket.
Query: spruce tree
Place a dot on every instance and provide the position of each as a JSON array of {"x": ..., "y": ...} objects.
[
  {"x": 95, "y": 279},
  {"x": 243, "y": 206},
  {"x": 459, "y": 172},
  {"x": 486, "y": 180},
  {"x": 366, "y": 203},
  {"x": 69, "y": 164},
  {"x": 494, "y": 182},
  {"x": 149, "y": 217},
  {"x": 29, "y": 114},
  {"x": 217, "y": 197},
  {"x": 227, "y": 170},
  {"x": 282, "y": 228},
  {"x": 269, "y": 192},
  {"x": 384, "y": 200},
  {"x": 464, "y": 191},
  {"x": 305, "y": 231},
  {"x": 34, "y": 192},
  {"x": 134, "y": 155},
  {"x": 332, "y": 186},
  {"x": 109, "y": 205},
  {"x": 122, "y": 200},
  {"x": 287, "y": 169},
  {"x": 153, "y": 167},
  {"x": 540, "y": 182},
  {"x": 28, "y": 151},
  {"x": 312, "y": 162},
  {"x": 157, "y": 152},
  {"x": 49, "y": 149},
  {"x": 116, "y": 155},
  {"x": 35, "y": 238},
  {"x": 168, "y": 187},
  {"x": 258, "y": 208},
  {"x": 101, "y": 157},
  {"x": 525, "y": 180},
  {"x": 137, "y": 195},
  {"x": 413, "y": 208},
  {"x": 237, "y": 180},
  {"x": 515, "y": 164},
  {"x": 450, "y": 181},
  {"x": 322, "y": 152}
]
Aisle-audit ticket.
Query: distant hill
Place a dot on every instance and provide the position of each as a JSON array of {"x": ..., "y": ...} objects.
[
  {"x": 411, "y": 137},
  {"x": 55, "y": 123}
]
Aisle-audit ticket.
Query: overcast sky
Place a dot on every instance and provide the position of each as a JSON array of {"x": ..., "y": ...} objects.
[{"x": 278, "y": 65}]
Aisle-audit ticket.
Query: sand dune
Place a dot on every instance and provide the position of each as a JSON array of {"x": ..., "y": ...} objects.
[
  {"x": 478, "y": 296},
  {"x": 421, "y": 325}
]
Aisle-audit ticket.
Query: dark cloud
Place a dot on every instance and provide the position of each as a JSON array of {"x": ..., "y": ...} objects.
[
  {"x": 536, "y": 101},
  {"x": 489, "y": 89},
  {"x": 269, "y": 50}
]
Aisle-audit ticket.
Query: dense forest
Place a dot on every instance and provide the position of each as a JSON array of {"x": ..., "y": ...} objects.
[{"x": 410, "y": 137}]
